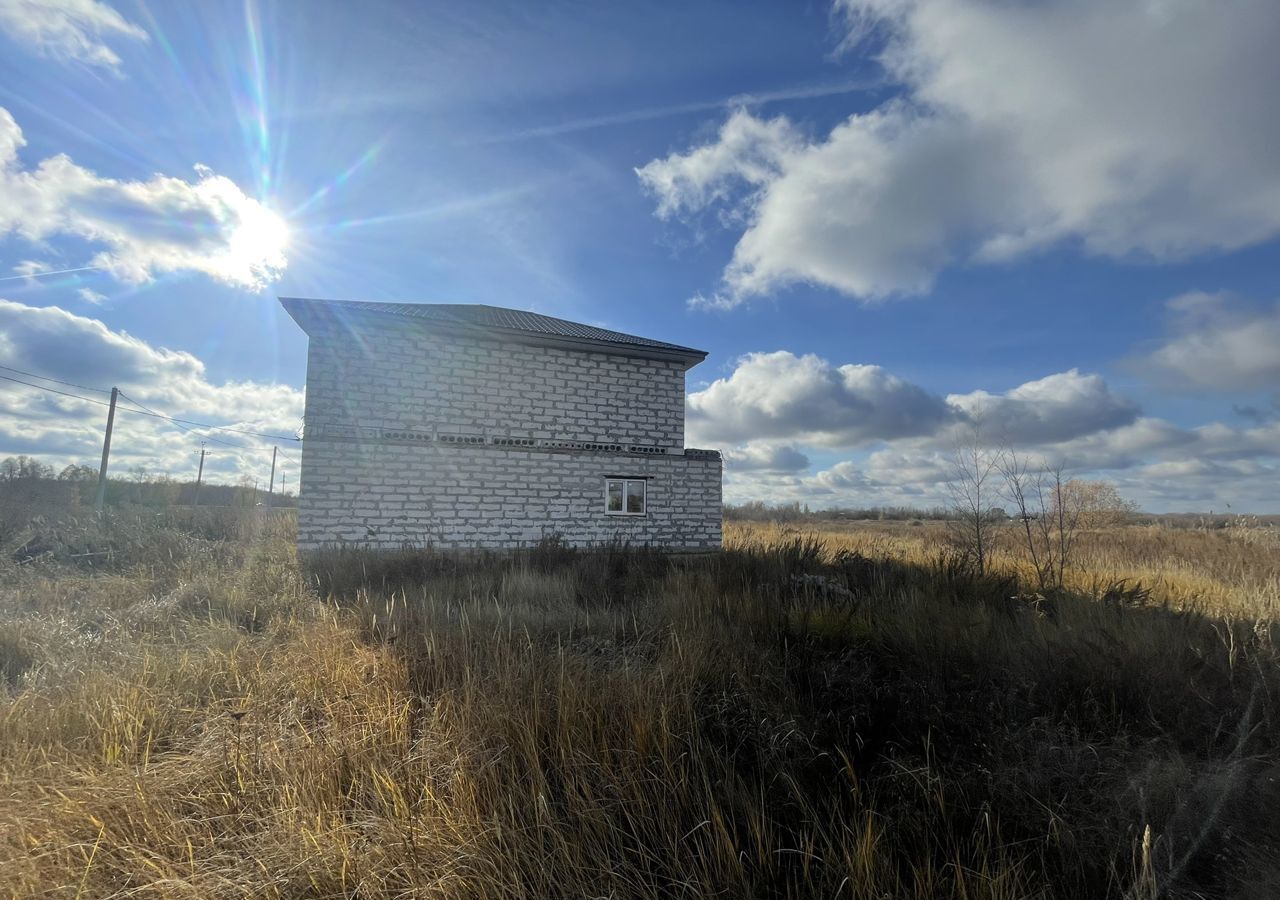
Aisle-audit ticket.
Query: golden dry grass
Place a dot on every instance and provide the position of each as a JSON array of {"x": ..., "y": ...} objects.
[
  {"x": 1232, "y": 572},
  {"x": 850, "y": 713}
]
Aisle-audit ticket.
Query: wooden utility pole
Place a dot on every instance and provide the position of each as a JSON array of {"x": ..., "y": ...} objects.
[
  {"x": 199, "y": 474},
  {"x": 271, "y": 484},
  {"x": 106, "y": 453}
]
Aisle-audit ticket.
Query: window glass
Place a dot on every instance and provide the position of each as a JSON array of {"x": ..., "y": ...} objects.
[
  {"x": 635, "y": 496},
  {"x": 613, "y": 496},
  {"x": 624, "y": 496}
]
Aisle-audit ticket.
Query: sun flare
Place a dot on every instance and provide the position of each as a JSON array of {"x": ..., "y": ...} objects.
[
  {"x": 258, "y": 242},
  {"x": 261, "y": 233}
]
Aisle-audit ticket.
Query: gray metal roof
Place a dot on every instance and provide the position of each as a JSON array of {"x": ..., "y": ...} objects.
[{"x": 471, "y": 316}]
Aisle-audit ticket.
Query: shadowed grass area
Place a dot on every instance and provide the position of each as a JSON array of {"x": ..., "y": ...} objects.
[{"x": 845, "y": 713}]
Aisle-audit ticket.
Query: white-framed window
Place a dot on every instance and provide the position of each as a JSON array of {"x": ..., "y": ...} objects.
[{"x": 625, "y": 496}]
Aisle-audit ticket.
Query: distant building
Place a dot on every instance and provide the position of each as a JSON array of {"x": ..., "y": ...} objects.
[{"x": 475, "y": 426}]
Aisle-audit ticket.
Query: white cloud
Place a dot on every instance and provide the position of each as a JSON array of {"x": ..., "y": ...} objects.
[
  {"x": 53, "y": 342},
  {"x": 746, "y": 149},
  {"x": 146, "y": 228},
  {"x": 782, "y": 397},
  {"x": 806, "y": 398},
  {"x": 914, "y": 468},
  {"x": 1219, "y": 344},
  {"x": 765, "y": 456},
  {"x": 29, "y": 268},
  {"x": 1128, "y": 127},
  {"x": 1122, "y": 448},
  {"x": 775, "y": 407},
  {"x": 68, "y": 29},
  {"x": 1051, "y": 409},
  {"x": 88, "y": 295},
  {"x": 1242, "y": 485},
  {"x": 1153, "y": 462},
  {"x": 885, "y": 478}
]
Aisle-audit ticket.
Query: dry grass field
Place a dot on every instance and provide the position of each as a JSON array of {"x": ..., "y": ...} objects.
[{"x": 851, "y": 711}]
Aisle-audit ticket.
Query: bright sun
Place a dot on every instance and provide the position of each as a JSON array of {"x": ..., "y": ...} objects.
[{"x": 258, "y": 242}]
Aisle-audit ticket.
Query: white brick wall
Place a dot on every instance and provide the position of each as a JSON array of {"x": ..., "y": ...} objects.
[
  {"x": 388, "y": 493},
  {"x": 407, "y": 377}
]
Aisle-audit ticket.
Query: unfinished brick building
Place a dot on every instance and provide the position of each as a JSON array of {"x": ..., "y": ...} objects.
[{"x": 475, "y": 426}]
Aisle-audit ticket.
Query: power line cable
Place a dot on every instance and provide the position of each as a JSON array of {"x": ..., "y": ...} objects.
[
  {"x": 261, "y": 434},
  {"x": 208, "y": 437},
  {"x": 55, "y": 380},
  {"x": 146, "y": 411},
  {"x": 185, "y": 428},
  {"x": 156, "y": 415},
  {"x": 56, "y": 391},
  {"x": 203, "y": 437}
]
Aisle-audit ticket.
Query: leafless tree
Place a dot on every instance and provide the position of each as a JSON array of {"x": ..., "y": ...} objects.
[
  {"x": 1063, "y": 521},
  {"x": 74, "y": 472},
  {"x": 1052, "y": 511},
  {"x": 1024, "y": 489},
  {"x": 13, "y": 468},
  {"x": 974, "y": 467},
  {"x": 1049, "y": 512}
]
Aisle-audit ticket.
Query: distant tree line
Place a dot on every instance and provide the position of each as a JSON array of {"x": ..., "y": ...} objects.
[
  {"x": 139, "y": 487},
  {"x": 758, "y": 511}
]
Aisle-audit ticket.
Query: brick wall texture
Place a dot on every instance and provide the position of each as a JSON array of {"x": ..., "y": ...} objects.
[
  {"x": 388, "y": 407},
  {"x": 408, "y": 377}
]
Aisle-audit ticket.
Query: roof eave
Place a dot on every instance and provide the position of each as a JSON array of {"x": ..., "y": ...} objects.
[
  {"x": 688, "y": 356},
  {"x": 304, "y": 312}
]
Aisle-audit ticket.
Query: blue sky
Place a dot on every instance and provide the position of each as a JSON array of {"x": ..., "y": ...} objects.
[{"x": 889, "y": 221}]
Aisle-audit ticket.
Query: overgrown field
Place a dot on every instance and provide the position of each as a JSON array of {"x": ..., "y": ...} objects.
[{"x": 185, "y": 711}]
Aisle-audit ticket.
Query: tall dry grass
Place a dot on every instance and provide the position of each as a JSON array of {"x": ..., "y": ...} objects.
[
  {"x": 1232, "y": 572},
  {"x": 851, "y": 713}
]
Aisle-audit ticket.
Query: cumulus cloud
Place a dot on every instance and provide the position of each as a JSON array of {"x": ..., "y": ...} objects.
[
  {"x": 1158, "y": 464},
  {"x": 1051, "y": 409},
  {"x": 52, "y": 342},
  {"x": 884, "y": 478},
  {"x": 1192, "y": 484},
  {"x": 765, "y": 456},
  {"x": 899, "y": 438},
  {"x": 68, "y": 29},
  {"x": 747, "y": 149},
  {"x": 1219, "y": 344},
  {"x": 1257, "y": 414},
  {"x": 842, "y": 477},
  {"x": 806, "y": 398},
  {"x": 1122, "y": 448},
  {"x": 145, "y": 228},
  {"x": 1126, "y": 127},
  {"x": 914, "y": 468}
]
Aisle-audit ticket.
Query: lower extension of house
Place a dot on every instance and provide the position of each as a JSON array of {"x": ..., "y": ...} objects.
[{"x": 468, "y": 426}]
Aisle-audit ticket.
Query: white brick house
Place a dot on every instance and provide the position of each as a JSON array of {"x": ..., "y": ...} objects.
[{"x": 461, "y": 426}]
